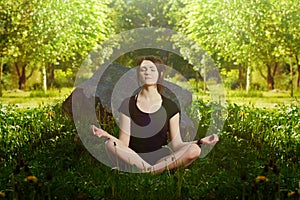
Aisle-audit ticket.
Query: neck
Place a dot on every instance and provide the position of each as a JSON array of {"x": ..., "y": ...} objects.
[{"x": 149, "y": 92}]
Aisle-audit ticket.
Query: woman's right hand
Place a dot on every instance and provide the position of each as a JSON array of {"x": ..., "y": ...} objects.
[{"x": 98, "y": 132}]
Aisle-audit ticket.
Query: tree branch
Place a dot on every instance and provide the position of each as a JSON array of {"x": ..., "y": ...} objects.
[
  {"x": 275, "y": 69},
  {"x": 262, "y": 74},
  {"x": 30, "y": 74},
  {"x": 17, "y": 68}
]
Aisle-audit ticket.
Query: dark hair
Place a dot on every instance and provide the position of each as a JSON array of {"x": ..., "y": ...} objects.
[{"x": 161, "y": 68}]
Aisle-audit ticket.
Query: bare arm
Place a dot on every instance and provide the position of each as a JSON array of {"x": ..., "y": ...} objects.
[
  {"x": 176, "y": 136},
  {"x": 124, "y": 134},
  {"x": 118, "y": 149}
]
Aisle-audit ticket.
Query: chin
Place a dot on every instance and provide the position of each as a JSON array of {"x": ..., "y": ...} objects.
[{"x": 149, "y": 84}]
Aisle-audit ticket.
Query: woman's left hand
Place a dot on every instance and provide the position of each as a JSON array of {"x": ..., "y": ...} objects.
[{"x": 210, "y": 140}]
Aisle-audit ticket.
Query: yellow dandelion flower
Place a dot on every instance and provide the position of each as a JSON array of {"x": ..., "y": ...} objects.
[
  {"x": 241, "y": 113},
  {"x": 31, "y": 178},
  {"x": 291, "y": 194},
  {"x": 2, "y": 194},
  {"x": 261, "y": 179},
  {"x": 49, "y": 114}
]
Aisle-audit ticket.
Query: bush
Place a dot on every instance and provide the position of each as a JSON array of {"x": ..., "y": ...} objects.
[{"x": 64, "y": 78}]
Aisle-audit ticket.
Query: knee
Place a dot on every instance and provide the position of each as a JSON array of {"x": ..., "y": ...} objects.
[{"x": 194, "y": 152}]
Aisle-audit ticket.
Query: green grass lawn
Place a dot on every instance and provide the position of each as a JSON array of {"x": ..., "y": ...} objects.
[
  {"x": 24, "y": 99},
  {"x": 259, "y": 99},
  {"x": 262, "y": 99},
  {"x": 257, "y": 157}
]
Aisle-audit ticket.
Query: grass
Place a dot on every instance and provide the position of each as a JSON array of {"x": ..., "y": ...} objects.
[
  {"x": 41, "y": 157},
  {"x": 265, "y": 99},
  {"x": 260, "y": 99},
  {"x": 256, "y": 158},
  {"x": 32, "y": 99}
]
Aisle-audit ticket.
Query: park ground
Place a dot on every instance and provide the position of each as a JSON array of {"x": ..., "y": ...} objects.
[
  {"x": 261, "y": 99},
  {"x": 257, "y": 157}
]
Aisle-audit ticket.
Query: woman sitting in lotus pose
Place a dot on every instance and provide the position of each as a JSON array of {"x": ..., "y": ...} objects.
[{"x": 147, "y": 121}]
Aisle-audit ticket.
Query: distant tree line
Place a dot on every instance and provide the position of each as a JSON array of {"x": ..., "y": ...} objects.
[{"x": 261, "y": 36}]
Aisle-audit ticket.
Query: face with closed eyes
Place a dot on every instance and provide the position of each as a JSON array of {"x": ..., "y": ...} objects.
[{"x": 148, "y": 73}]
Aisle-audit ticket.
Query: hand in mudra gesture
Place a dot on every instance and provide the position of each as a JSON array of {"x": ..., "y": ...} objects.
[
  {"x": 210, "y": 140},
  {"x": 98, "y": 132}
]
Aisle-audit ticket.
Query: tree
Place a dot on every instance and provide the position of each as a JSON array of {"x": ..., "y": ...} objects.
[
  {"x": 130, "y": 15},
  {"x": 79, "y": 26},
  {"x": 133, "y": 14},
  {"x": 44, "y": 33},
  {"x": 245, "y": 33},
  {"x": 288, "y": 32},
  {"x": 16, "y": 48}
]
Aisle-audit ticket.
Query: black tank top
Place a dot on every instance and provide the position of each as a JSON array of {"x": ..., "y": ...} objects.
[{"x": 149, "y": 131}]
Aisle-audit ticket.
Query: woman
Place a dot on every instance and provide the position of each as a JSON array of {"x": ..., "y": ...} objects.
[{"x": 147, "y": 121}]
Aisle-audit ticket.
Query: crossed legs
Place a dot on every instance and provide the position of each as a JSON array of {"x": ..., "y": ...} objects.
[{"x": 123, "y": 156}]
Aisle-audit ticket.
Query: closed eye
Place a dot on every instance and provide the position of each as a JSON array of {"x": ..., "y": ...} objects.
[{"x": 143, "y": 69}]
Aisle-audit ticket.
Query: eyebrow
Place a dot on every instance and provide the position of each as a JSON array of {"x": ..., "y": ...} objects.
[{"x": 144, "y": 66}]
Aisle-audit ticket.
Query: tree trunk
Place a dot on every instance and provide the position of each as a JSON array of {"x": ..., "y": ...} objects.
[
  {"x": 298, "y": 69},
  {"x": 270, "y": 78},
  {"x": 291, "y": 69},
  {"x": 44, "y": 77},
  {"x": 248, "y": 79},
  {"x": 271, "y": 75},
  {"x": 51, "y": 76},
  {"x": 21, "y": 71},
  {"x": 241, "y": 77},
  {"x": 1, "y": 68},
  {"x": 204, "y": 79}
]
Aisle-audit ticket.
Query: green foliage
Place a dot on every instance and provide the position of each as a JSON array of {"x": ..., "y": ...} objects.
[
  {"x": 63, "y": 78},
  {"x": 237, "y": 34},
  {"x": 7, "y": 81},
  {"x": 256, "y": 34},
  {"x": 21, "y": 129},
  {"x": 274, "y": 132},
  {"x": 257, "y": 157},
  {"x": 230, "y": 79},
  {"x": 133, "y": 14},
  {"x": 37, "y": 34}
]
